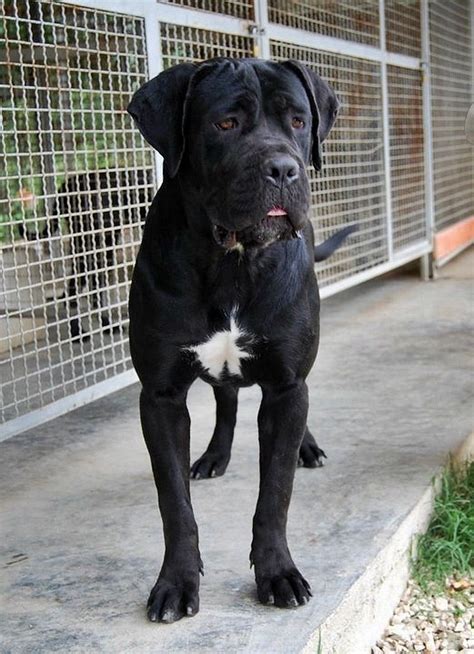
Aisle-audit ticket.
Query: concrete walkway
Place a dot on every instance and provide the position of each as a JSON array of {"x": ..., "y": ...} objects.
[{"x": 81, "y": 538}]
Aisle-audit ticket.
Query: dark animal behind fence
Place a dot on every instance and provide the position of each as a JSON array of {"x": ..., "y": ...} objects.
[{"x": 94, "y": 208}]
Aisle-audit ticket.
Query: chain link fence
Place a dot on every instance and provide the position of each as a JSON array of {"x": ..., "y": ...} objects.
[{"x": 76, "y": 178}]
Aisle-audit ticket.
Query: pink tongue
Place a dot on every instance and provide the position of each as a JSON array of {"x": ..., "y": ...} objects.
[{"x": 276, "y": 211}]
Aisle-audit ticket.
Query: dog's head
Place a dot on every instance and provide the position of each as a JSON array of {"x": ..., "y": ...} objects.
[{"x": 240, "y": 133}]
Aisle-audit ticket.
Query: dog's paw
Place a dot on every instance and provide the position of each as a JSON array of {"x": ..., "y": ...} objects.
[
  {"x": 169, "y": 602},
  {"x": 286, "y": 590},
  {"x": 209, "y": 465},
  {"x": 310, "y": 455}
]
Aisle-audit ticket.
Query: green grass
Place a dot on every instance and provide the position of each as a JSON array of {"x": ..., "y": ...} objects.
[
  {"x": 447, "y": 548},
  {"x": 320, "y": 645}
]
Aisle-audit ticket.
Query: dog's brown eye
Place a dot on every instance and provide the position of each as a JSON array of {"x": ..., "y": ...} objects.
[
  {"x": 297, "y": 123},
  {"x": 228, "y": 123}
]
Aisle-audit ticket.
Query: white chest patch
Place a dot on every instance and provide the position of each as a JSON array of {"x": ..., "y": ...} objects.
[{"x": 221, "y": 350}]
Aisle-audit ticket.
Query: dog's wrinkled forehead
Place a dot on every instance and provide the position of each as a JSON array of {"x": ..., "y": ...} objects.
[
  {"x": 251, "y": 85},
  {"x": 162, "y": 107},
  {"x": 221, "y": 86}
]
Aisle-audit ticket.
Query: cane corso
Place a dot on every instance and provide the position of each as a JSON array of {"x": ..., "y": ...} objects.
[
  {"x": 224, "y": 289},
  {"x": 98, "y": 207}
]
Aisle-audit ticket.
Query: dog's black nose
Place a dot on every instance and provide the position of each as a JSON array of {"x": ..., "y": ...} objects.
[{"x": 281, "y": 171}]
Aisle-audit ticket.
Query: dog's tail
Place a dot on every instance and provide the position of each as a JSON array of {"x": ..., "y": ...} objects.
[{"x": 330, "y": 245}]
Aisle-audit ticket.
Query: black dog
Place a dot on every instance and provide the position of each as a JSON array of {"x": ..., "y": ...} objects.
[
  {"x": 224, "y": 289},
  {"x": 96, "y": 206}
]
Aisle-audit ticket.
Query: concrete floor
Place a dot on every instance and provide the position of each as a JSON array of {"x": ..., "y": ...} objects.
[{"x": 81, "y": 537}]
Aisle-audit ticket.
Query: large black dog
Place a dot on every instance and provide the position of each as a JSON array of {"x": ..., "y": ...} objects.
[{"x": 224, "y": 289}]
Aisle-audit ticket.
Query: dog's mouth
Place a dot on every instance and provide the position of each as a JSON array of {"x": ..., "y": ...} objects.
[{"x": 275, "y": 226}]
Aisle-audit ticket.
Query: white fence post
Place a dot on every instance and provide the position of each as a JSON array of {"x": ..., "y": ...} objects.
[
  {"x": 261, "y": 19},
  {"x": 427, "y": 126},
  {"x": 386, "y": 131},
  {"x": 155, "y": 64}
]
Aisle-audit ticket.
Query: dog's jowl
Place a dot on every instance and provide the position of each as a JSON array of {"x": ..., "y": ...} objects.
[{"x": 224, "y": 289}]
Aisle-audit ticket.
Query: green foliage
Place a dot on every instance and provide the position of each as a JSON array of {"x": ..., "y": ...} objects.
[
  {"x": 320, "y": 644},
  {"x": 64, "y": 114},
  {"x": 89, "y": 143},
  {"x": 447, "y": 548}
]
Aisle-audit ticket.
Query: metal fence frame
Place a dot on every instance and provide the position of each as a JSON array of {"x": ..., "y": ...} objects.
[{"x": 263, "y": 32}]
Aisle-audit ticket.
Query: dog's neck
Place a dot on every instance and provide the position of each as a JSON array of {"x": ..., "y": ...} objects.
[{"x": 269, "y": 276}]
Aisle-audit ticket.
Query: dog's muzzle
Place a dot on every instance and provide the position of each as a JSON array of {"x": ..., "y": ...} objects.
[{"x": 275, "y": 226}]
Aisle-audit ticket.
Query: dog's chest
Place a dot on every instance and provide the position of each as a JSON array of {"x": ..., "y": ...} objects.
[{"x": 222, "y": 353}]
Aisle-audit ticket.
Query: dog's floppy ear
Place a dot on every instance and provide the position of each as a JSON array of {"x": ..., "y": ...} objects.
[
  {"x": 324, "y": 105},
  {"x": 159, "y": 110}
]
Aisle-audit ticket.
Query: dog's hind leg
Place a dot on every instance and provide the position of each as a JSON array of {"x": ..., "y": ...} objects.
[
  {"x": 77, "y": 282},
  {"x": 311, "y": 456},
  {"x": 214, "y": 461}
]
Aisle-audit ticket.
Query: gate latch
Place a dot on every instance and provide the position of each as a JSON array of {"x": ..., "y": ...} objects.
[{"x": 255, "y": 30}]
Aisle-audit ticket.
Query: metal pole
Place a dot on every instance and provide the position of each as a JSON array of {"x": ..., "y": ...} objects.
[
  {"x": 155, "y": 63},
  {"x": 261, "y": 18},
  {"x": 472, "y": 50},
  {"x": 386, "y": 131},
  {"x": 426, "y": 265}
]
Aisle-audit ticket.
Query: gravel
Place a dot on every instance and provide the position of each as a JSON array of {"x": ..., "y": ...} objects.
[{"x": 432, "y": 623}]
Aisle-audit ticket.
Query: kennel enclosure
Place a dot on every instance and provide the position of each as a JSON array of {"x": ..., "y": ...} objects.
[{"x": 76, "y": 177}]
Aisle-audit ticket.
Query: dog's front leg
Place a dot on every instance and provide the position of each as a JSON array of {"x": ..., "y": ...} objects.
[
  {"x": 281, "y": 423},
  {"x": 165, "y": 421}
]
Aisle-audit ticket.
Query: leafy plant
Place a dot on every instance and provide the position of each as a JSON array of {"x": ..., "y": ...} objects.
[{"x": 447, "y": 547}]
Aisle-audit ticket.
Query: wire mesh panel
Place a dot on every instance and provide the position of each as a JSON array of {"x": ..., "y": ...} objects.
[
  {"x": 351, "y": 187},
  {"x": 403, "y": 26},
  {"x": 180, "y": 43},
  {"x": 237, "y": 8},
  {"x": 451, "y": 94},
  {"x": 76, "y": 177},
  {"x": 407, "y": 170},
  {"x": 75, "y": 180},
  {"x": 353, "y": 21}
]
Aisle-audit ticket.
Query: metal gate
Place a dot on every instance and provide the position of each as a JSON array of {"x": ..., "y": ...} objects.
[
  {"x": 76, "y": 178},
  {"x": 451, "y": 27}
]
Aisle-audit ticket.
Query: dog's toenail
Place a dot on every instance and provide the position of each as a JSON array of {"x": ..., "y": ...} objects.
[{"x": 168, "y": 616}]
